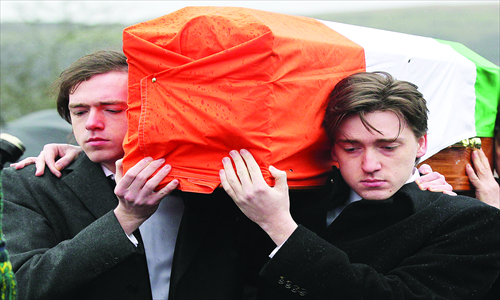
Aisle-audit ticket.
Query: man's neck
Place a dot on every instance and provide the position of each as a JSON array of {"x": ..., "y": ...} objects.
[
  {"x": 111, "y": 167},
  {"x": 107, "y": 171}
]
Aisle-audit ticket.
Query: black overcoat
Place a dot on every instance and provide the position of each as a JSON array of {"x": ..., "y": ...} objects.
[{"x": 415, "y": 245}]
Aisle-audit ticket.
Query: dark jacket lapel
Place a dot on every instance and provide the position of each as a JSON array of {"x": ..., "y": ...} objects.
[{"x": 88, "y": 182}]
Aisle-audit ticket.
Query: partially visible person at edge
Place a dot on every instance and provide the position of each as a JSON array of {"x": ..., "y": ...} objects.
[
  {"x": 71, "y": 237},
  {"x": 486, "y": 186},
  {"x": 8, "y": 289},
  {"x": 382, "y": 237}
]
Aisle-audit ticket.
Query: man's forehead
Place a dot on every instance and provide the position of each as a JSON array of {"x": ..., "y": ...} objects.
[
  {"x": 107, "y": 87},
  {"x": 379, "y": 126}
]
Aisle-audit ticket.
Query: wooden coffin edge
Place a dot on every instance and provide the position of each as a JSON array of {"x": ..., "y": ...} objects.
[{"x": 451, "y": 163}]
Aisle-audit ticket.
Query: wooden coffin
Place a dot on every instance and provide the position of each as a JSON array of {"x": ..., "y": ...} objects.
[{"x": 451, "y": 163}]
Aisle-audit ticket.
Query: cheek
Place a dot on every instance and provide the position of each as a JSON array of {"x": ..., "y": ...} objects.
[
  {"x": 402, "y": 169},
  {"x": 78, "y": 130},
  {"x": 119, "y": 134},
  {"x": 118, "y": 126},
  {"x": 351, "y": 174},
  {"x": 349, "y": 166}
]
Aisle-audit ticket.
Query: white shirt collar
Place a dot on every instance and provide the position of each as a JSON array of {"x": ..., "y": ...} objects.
[{"x": 107, "y": 172}]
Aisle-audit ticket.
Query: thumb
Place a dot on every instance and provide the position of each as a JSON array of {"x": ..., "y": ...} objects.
[
  {"x": 119, "y": 170},
  {"x": 279, "y": 177}
]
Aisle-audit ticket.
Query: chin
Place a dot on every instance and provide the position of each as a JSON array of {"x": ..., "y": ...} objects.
[
  {"x": 100, "y": 158},
  {"x": 375, "y": 195}
]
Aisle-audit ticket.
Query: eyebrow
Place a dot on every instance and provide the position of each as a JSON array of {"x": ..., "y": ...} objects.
[
  {"x": 354, "y": 141},
  {"x": 104, "y": 103}
]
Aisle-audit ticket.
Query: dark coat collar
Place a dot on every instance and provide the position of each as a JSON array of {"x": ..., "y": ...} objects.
[{"x": 87, "y": 180}]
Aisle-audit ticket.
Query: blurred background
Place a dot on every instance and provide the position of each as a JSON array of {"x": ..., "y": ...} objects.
[{"x": 39, "y": 39}]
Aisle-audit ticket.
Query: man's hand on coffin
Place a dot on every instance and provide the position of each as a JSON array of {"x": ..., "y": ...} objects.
[
  {"x": 49, "y": 156},
  {"x": 433, "y": 181},
  {"x": 136, "y": 191},
  {"x": 481, "y": 176},
  {"x": 267, "y": 206}
]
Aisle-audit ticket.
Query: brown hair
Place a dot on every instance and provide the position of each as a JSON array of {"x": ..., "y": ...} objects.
[
  {"x": 83, "y": 69},
  {"x": 366, "y": 92}
]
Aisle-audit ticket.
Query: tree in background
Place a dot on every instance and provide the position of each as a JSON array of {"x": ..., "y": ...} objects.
[{"x": 33, "y": 54}]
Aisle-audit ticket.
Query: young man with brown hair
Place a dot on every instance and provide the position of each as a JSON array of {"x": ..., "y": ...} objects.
[
  {"x": 71, "y": 237},
  {"x": 383, "y": 237}
]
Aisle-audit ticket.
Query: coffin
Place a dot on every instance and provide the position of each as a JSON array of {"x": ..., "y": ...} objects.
[
  {"x": 451, "y": 163},
  {"x": 207, "y": 80}
]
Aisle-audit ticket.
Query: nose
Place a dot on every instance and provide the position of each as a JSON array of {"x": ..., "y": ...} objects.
[
  {"x": 370, "y": 161},
  {"x": 94, "y": 120}
]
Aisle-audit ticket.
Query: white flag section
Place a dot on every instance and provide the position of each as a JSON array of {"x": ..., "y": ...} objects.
[{"x": 443, "y": 76}]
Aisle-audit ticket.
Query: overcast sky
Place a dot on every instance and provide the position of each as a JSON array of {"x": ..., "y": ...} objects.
[{"x": 131, "y": 12}]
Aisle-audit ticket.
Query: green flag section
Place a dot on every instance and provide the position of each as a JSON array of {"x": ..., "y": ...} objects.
[
  {"x": 461, "y": 88},
  {"x": 487, "y": 88}
]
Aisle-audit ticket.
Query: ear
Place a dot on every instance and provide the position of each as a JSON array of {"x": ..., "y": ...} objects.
[
  {"x": 333, "y": 154},
  {"x": 422, "y": 146}
]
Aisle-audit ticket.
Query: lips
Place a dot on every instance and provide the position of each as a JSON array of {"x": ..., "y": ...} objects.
[
  {"x": 96, "y": 141},
  {"x": 372, "y": 183}
]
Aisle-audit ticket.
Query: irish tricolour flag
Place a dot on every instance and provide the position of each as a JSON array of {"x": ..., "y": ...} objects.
[{"x": 461, "y": 87}]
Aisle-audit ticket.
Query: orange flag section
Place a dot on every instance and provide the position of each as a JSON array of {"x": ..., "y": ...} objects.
[{"x": 207, "y": 80}]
